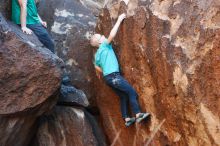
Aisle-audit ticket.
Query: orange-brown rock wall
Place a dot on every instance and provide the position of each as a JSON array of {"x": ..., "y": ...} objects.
[{"x": 170, "y": 52}]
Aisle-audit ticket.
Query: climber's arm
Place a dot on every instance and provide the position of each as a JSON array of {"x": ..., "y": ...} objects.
[
  {"x": 23, "y": 6},
  {"x": 98, "y": 71},
  {"x": 115, "y": 28},
  {"x": 44, "y": 23}
]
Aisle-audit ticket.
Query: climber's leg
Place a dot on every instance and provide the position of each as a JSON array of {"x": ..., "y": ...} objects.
[
  {"x": 123, "y": 99},
  {"x": 123, "y": 102},
  {"x": 117, "y": 81},
  {"x": 42, "y": 35}
]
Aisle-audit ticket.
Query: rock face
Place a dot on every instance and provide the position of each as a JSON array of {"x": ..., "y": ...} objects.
[
  {"x": 170, "y": 52},
  {"x": 18, "y": 129},
  {"x": 30, "y": 77},
  {"x": 67, "y": 126},
  {"x": 72, "y": 96},
  {"x": 70, "y": 29},
  {"x": 71, "y": 24},
  {"x": 5, "y": 8}
]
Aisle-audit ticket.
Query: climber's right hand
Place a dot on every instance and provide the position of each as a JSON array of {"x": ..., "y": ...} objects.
[
  {"x": 126, "y": 1},
  {"x": 26, "y": 30},
  {"x": 122, "y": 17}
]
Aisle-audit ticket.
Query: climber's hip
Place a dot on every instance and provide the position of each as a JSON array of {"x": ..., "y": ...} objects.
[{"x": 115, "y": 80}]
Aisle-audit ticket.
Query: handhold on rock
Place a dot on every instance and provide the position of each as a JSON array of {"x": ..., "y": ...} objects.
[
  {"x": 66, "y": 80},
  {"x": 72, "y": 96}
]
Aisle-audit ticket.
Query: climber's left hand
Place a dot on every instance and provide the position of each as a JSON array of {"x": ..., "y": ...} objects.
[{"x": 44, "y": 23}]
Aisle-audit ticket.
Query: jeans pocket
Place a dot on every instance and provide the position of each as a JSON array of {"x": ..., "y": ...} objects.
[{"x": 115, "y": 82}]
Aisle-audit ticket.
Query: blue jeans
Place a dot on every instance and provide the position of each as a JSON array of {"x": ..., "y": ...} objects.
[
  {"x": 42, "y": 35},
  {"x": 125, "y": 91}
]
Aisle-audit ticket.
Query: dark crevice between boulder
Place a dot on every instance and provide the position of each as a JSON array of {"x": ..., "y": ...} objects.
[
  {"x": 25, "y": 127},
  {"x": 69, "y": 98},
  {"x": 52, "y": 119}
]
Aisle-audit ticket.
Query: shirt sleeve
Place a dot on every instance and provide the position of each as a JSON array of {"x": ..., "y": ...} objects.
[
  {"x": 97, "y": 60},
  {"x": 106, "y": 45}
]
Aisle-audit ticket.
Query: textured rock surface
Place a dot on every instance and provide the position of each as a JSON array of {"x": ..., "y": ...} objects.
[
  {"x": 71, "y": 23},
  {"x": 29, "y": 81},
  {"x": 170, "y": 52},
  {"x": 18, "y": 129},
  {"x": 28, "y": 75},
  {"x": 72, "y": 96},
  {"x": 94, "y": 5},
  {"x": 5, "y": 8},
  {"x": 67, "y": 126}
]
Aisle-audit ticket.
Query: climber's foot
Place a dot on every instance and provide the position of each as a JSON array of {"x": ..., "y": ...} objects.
[
  {"x": 141, "y": 116},
  {"x": 129, "y": 121}
]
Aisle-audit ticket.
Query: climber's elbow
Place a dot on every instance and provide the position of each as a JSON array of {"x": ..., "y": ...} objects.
[{"x": 98, "y": 69}]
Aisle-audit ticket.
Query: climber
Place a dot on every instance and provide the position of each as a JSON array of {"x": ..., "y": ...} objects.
[
  {"x": 106, "y": 64},
  {"x": 24, "y": 13}
]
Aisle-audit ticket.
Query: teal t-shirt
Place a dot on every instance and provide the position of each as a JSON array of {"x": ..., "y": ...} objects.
[
  {"x": 106, "y": 59},
  {"x": 32, "y": 15}
]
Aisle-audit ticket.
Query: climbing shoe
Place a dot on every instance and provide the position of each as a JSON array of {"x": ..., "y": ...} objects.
[
  {"x": 142, "y": 116},
  {"x": 129, "y": 122}
]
